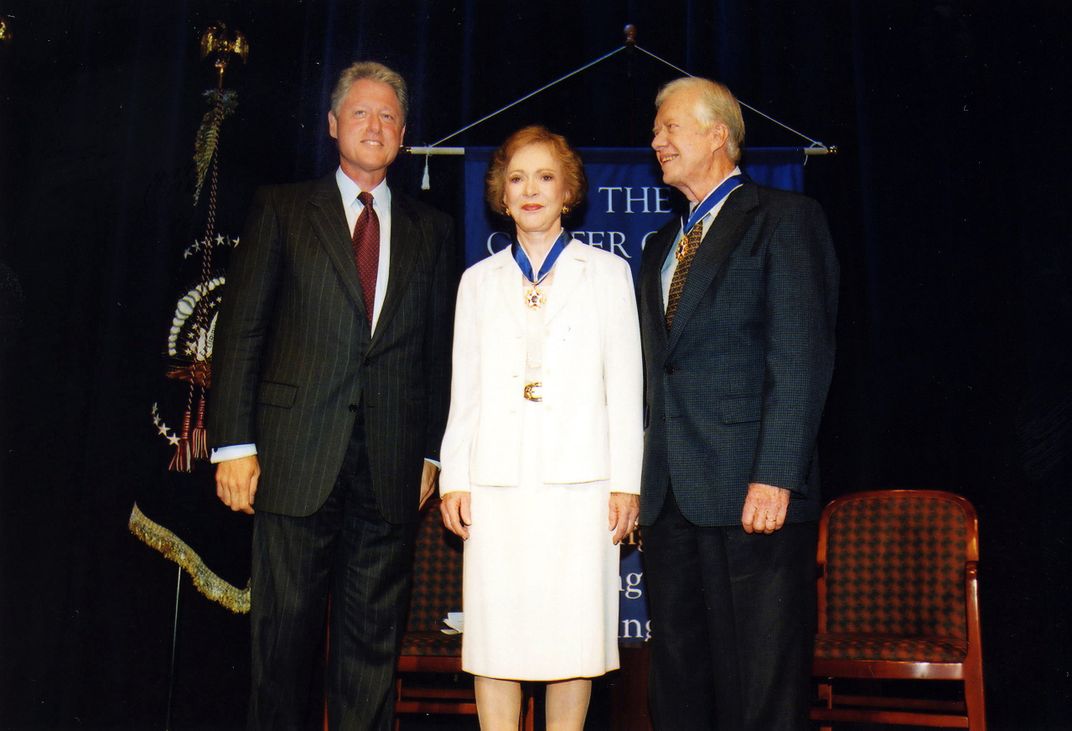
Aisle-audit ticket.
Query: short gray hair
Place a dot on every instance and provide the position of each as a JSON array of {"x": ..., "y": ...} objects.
[
  {"x": 376, "y": 72},
  {"x": 716, "y": 104}
]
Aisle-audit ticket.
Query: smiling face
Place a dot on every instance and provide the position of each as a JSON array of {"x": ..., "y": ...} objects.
[
  {"x": 369, "y": 129},
  {"x": 535, "y": 189},
  {"x": 691, "y": 154}
]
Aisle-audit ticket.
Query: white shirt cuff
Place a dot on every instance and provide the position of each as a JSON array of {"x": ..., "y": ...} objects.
[{"x": 235, "y": 451}]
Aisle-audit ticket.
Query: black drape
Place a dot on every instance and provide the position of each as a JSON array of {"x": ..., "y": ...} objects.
[{"x": 947, "y": 203}]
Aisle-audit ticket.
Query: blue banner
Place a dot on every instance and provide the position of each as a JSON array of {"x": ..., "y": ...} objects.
[{"x": 626, "y": 202}]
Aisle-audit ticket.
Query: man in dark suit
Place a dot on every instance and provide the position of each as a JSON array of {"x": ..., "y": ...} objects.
[
  {"x": 737, "y": 306},
  {"x": 330, "y": 389}
]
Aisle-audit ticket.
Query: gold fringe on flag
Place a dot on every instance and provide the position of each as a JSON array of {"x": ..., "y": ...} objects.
[{"x": 175, "y": 549}]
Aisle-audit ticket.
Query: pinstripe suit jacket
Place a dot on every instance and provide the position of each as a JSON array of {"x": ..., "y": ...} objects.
[
  {"x": 294, "y": 357},
  {"x": 734, "y": 392}
]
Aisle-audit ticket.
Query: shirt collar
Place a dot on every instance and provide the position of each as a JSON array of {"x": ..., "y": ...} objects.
[{"x": 349, "y": 190}]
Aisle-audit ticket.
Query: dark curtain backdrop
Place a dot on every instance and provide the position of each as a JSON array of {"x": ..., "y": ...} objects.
[{"x": 948, "y": 202}]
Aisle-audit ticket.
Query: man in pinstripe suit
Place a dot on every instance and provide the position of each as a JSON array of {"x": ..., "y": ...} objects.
[
  {"x": 737, "y": 310},
  {"x": 328, "y": 404}
]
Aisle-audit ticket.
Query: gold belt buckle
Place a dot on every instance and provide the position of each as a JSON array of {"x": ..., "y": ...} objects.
[{"x": 532, "y": 391}]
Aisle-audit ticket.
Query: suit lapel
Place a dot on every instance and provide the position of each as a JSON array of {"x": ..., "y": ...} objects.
[
  {"x": 569, "y": 272},
  {"x": 406, "y": 242},
  {"x": 329, "y": 222},
  {"x": 721, "y": 239},
  {"x": 507, "y": 278},
  {"x": 652, "y": 294}
]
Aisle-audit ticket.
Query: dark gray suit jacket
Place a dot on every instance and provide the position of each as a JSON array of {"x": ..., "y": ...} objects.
[
  {"x": 735, "y": 391},
  {"x": 293, "y": 355}
]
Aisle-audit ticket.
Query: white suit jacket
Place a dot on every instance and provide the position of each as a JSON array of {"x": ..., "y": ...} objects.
[{"x": 592, "y": 375}]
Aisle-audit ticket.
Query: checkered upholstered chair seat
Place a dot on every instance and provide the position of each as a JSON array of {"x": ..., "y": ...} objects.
[
  {"x": 890, "y": 647},
  {"x": 898, "y": 600}
]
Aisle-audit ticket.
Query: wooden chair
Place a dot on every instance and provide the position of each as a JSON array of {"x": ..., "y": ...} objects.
[
  {"x": 898, "y": 600},
  {"x": 430, "y": 678}
]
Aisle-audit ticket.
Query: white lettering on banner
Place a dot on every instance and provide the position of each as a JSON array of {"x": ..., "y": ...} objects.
[
  {"x": 649, "y": 199},
  {"x": 612, "y": 241},
  {"x": 631, "y": 584},
  {"x": 505, "y": 241},
  {"x": 632, "y": 629},
  {"x": 644, "y": 241}
]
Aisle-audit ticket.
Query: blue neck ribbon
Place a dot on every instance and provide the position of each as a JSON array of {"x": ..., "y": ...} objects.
[
  {"x": 713, "y": 199},
  {"x": 523, "y": 262}
]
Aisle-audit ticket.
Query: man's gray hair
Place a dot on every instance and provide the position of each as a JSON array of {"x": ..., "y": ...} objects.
[
  {"x": 370, "y": 70},
  {"x": 716, "y": 104}
]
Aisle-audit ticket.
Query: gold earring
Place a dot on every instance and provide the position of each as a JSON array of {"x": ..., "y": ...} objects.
[{"x": 565, "y": 210}]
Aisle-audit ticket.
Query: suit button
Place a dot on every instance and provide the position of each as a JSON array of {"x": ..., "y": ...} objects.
[
  {"x": 352, "y": 408},
  {"x": 669, "y": 369}
]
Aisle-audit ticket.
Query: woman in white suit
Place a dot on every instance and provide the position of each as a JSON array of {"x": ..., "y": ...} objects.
[{"x": 541, "y": 455}]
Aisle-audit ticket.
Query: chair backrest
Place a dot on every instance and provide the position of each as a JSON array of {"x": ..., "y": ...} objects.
[
  {"x": 437, "y": 573},
  {"x": 894, "y": 563}
]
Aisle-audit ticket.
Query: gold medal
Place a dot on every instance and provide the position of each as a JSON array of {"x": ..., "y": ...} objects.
[
  {"x": 534, "y": 298},
  {"x": 682, "y": 248}
]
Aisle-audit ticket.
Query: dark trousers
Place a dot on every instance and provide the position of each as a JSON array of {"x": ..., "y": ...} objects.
[
  {"x": 347, "y": 550},
  {"x": 733, "y": 624}
]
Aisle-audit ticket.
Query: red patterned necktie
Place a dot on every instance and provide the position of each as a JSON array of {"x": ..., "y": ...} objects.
[{"x": 367, "y": 250}]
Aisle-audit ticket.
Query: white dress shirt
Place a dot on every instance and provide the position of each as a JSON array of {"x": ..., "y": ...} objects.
[{"x": 381, "y": 203}]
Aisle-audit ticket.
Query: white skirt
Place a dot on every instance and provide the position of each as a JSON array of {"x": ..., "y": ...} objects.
[{"x": 540, "y": 587}]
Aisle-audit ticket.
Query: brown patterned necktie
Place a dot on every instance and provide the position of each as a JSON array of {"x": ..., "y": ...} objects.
[
  {"x": 686, "y": 249},
  {"x": 367, "y": 250}
]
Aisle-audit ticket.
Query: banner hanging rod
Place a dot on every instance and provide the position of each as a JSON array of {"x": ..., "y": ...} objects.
[{"x": 428, "y": 150}]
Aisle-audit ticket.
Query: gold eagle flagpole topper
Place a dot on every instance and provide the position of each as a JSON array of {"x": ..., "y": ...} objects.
[{"x": 221, "y": 43}]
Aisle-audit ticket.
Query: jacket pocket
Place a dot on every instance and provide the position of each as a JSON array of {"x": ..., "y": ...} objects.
[
  {"x": 276, "y": 394},
  {"x": 746, "y": 263},
  {"x": 737, "y": 409}
]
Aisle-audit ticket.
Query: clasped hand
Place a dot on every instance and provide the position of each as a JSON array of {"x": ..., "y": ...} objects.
[{"x": 623, "y": 512}]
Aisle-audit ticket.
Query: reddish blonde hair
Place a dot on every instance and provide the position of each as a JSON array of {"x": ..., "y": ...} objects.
[{"x": 567, "y": 157}]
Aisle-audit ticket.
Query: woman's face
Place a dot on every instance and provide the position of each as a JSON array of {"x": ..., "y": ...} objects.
[{"x": 535, "y": 189}]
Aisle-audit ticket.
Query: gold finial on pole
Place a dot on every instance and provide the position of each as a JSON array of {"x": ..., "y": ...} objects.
[
  {"x": 630, "y": 34},
  {"x": 222, "y": 44},
  {"x": 5, "y": 30}
]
